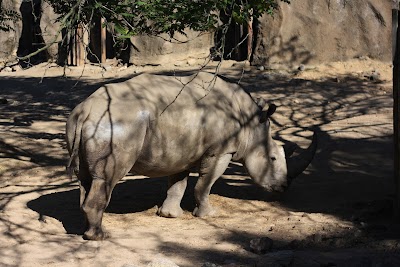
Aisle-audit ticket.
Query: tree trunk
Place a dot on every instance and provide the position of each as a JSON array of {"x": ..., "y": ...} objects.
[{"x": 396, "y": 111}]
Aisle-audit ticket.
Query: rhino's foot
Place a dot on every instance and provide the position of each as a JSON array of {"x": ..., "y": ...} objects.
[
  {"x": 96, "y": 234},
  {"x": 203, "y": 211},
  {"x": 169, "y": 212}
]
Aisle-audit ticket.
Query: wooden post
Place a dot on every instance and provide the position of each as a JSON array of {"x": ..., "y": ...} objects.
[
  {"x": 80, "y": 48},
  {"x": 249, "y": 38},
  {"x": 71, "y": 48},
  {"x": 103, "y": 35},
  {"x": 396, "y": 125}
]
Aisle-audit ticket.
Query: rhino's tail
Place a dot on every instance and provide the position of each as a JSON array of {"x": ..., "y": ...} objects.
[
  {"x": 73, "y": 162},
  {"x": 69, "y": 168}
]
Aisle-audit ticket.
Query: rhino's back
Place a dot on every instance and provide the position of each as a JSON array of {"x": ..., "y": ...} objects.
[{"x": 202, "y": 90}]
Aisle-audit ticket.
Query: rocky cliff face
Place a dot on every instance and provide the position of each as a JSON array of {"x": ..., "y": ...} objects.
[
  {"x": 181, "y": 50},
  {"x": 36, "y": 28},
  {"x": 312, "y": 31},
  {"x": 306, "y": 31}
]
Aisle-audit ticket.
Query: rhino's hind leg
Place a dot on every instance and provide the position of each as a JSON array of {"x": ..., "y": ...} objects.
[
  {"x": 211, "y": 169},
  {"x": 171, "y": 208},
  {"x": 85, "y": 183},
  {"x": 94, "y": 206}
]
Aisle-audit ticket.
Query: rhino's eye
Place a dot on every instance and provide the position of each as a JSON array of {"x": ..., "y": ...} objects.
[{"x": 273, "y": 158}]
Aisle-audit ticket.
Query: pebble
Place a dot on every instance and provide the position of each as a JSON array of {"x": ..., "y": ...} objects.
[
  {"x": 107, "y": 67},
  {"x": 301, "y": 67},
  {"x": 261, "y": 68},
  {"x": 279, "y": 258},
  {"x": 16, "y": 68},
  {"x": 123, "y": 68},
  {"x": 21, "y": 121},
  {"x": 267, "y": 77},
  {"x": 261, "y": 245},
  {"x": 162, "y": 262},
  {"x": 375, "y": 76},
  {"x": 7, "y": 69},
  {"x": 209, "y": 264},
  {"x": 191, "y": 61}
]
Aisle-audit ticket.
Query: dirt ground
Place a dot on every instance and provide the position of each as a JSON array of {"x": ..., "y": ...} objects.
[{"x": 337, "y": 213}]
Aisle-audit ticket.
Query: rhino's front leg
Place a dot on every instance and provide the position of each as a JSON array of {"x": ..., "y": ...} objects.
[
  {"x": 210, "y": 170},
  {"x": 171, "y": 207}
]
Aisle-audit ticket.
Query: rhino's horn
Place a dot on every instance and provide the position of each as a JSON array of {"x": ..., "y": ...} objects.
[{"x": 297, "y": 164}]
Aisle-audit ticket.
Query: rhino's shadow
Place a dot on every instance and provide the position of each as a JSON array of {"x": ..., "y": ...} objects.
[
  {"x": 129, "y": 196},
  {"x": 137, "y": 195}
]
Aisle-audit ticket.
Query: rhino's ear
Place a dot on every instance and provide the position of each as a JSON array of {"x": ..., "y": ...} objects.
[{"x": 266, "y": 114}]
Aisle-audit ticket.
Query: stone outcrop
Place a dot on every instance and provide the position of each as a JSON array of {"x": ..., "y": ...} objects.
[
  {"x": 314, "y": 31},
  {"x": 193, "y": 47},
  {"x": 303, "y": 32},
  {"x": 36, "y": 28}
]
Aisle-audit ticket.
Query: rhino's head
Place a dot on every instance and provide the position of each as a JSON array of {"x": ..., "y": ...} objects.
[{"x": 266, "y": 162}]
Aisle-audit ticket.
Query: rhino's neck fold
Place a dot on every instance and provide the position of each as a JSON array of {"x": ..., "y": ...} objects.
[{"x": 244, "y": 139}]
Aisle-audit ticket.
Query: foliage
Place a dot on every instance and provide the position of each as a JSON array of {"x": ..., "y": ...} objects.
[
  {"x": 132, "y": 17},
  {"x": 7, "y": 16}
]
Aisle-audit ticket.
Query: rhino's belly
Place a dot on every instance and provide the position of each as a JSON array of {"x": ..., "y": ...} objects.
[{"x": 159, "y": 169}]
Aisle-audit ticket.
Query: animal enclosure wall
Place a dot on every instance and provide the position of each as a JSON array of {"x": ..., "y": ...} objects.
[{"x": 308, "y": 31}]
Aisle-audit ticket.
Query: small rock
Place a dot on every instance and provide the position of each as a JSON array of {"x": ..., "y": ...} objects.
[
  {"x": 267, "y": 76},
  {"x": 261, "y": 68},
  {"x": 230, "y": 263},
  {"x": 261, "y": 245},
  {"x": 364, "y": 58},
  {"x": 209, "y": 264},
  {"x": 3, "y": 101},
  {"x": 107, "y": 67},
  {"x": 191, "y": 61},
  {"x": 16, "y": 68},
  {"x": 301, "y": 67},
  {"x": 180, "y": 63},
  {"x": 375, "y": 76},
  {"x": 24, "y": 158},
  {"x": 7, "y": 69},
  {"x": 123, "y": 68},
  {"x": 279, "y": 258},
  {"x": 21, "y": 121},
  {"x": 160, "y": 261}
]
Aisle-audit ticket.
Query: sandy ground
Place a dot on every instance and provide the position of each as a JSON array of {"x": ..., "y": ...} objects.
[{"x": 337, "y": 212}]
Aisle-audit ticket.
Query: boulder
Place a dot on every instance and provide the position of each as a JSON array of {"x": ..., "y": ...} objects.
[{"x": 316, "y": 31}]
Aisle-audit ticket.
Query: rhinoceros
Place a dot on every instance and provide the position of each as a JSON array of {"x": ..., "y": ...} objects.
[{"x": 158, "y": 126}]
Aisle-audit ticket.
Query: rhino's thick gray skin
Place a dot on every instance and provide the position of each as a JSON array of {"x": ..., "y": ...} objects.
[{"x": 163, "y": 126}]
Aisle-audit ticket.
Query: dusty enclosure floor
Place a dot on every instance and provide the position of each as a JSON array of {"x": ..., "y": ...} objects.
[{"x": 337, "y": 212}]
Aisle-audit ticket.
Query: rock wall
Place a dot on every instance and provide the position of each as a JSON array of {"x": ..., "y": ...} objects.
[
  {"x": 313, "y": 31},
  {"x": 306, "y": 31},
  {"x": 181, "y": 50},
  {"x": 29, "y": 33},
  {"x": 9, "y": 40}
]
